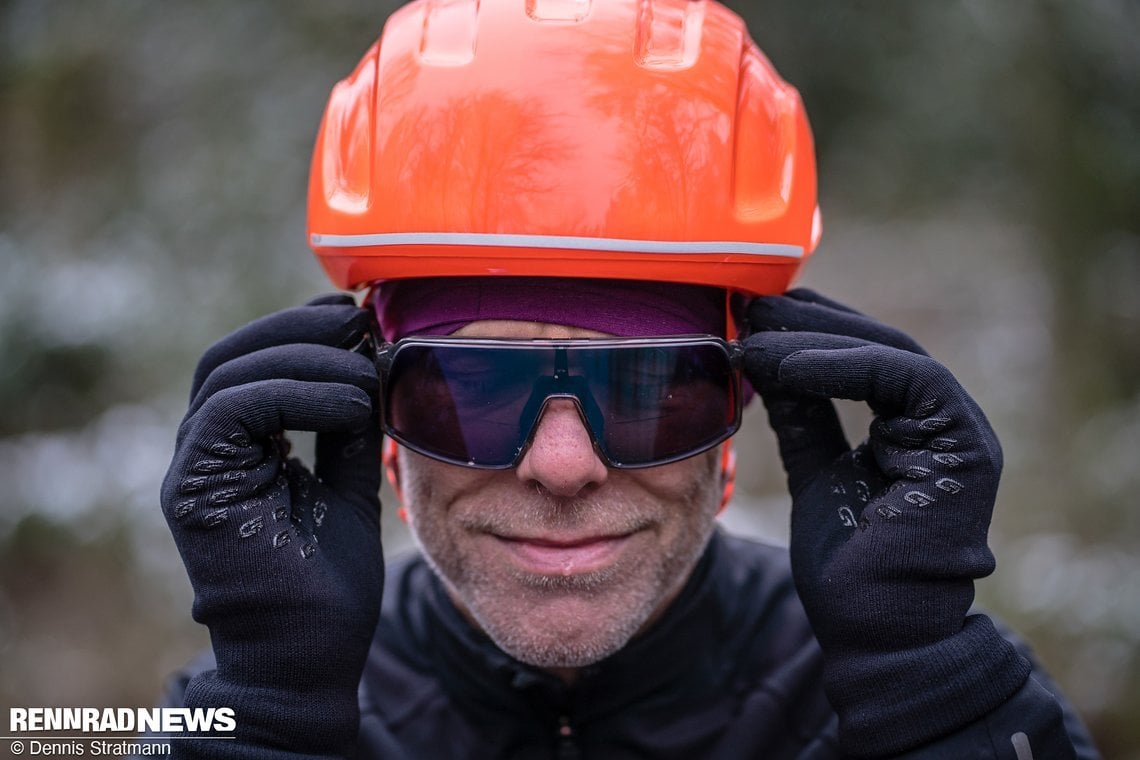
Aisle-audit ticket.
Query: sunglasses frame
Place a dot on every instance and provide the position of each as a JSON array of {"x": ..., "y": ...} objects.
[{"x": 573, "y": 388}]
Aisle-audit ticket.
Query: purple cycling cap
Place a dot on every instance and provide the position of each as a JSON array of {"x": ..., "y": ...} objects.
[{"x": 624, "y": 308}]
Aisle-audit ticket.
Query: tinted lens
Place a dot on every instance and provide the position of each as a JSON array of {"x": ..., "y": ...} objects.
[
  {"x": 464, "y": 404},
  {"x": 660, "y": 404},
  {"x": 477, "y": 404}
]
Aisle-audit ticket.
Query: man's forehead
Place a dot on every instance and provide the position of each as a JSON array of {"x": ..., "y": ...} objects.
[{"x": 525, "y": 329}]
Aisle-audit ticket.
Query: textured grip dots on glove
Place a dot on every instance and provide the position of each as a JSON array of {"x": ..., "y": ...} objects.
[
  {"x": 887, "y": 538},
  {"x": 286, "y": 564}
]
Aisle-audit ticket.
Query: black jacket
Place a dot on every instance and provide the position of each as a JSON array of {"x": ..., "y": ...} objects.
[{"x": 732, "y": 670}]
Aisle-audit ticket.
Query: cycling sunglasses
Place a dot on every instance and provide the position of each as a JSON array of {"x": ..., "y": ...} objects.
[{"x": 476, "y": 401}]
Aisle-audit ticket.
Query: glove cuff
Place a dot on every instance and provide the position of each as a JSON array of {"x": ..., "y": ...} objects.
[
  {"x": 274, "y": 723},
  {"x": 889, "y": 702}
]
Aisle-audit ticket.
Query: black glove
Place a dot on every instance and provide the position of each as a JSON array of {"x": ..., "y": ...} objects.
[
  {"x": 887, "y": 538},
  {"x": 286, "y": 564}
]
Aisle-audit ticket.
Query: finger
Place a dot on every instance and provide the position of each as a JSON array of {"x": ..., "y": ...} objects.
[
  {"x": 332, "y": 299},
  {"x": 909, "y": 432},
  {"x": 307, "y": 362},
  {"x": 342, "y": 325},
  {"x": 349, "y": 463},
  {"x": 892, "y": 382},
  {"x": 765, "y": 352},
  {"x": 263, "y": 409},
  {"x": 825, "y": 518},
  {"x": 936, "y": 411},
  {"x": 807, "y": 311},
  {"x": 229, "y": 449},
  {"x": 206, "y": 477},
  {"x": 840, "y": 366},
  {"x": 809, "y": 435},
  {"x": 237, "y": 429},
  {"x": 810, "y": 296}
]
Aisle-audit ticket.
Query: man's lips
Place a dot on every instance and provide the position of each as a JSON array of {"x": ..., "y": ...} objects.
[{"x": 564, "y": 556}]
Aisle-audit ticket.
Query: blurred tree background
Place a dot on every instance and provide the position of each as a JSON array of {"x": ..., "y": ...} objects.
[{"x": 980, "y": 175}]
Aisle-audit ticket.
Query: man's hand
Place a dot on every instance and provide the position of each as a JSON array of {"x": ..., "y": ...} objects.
[
  {"x": 286, "y": 564},
  {"x": 887, "y": 538}
]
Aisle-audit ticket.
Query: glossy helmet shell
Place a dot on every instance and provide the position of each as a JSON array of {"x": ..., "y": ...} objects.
[{"x": 630, "y": 139}]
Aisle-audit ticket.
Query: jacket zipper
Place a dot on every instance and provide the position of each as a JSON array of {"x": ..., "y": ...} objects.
[{"x": 567, "y": 747}]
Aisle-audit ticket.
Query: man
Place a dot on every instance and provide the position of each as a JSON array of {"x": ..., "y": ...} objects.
[{"x": 568, "y": 212}]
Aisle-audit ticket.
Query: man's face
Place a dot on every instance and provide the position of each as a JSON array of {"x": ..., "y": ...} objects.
[{"x": 560, "y": 560}]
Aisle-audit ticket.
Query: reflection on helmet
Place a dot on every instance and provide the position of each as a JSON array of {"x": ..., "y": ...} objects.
[{"x": 631, "y": 139}]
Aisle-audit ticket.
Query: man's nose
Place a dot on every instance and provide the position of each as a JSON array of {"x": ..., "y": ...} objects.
[{"x": 561, "y": 459}]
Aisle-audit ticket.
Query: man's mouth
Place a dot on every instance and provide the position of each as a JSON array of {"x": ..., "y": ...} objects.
[{"x": 565, "y": 556}]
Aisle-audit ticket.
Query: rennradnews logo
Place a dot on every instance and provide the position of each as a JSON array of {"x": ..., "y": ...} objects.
[{"x": 162, "y": 720}]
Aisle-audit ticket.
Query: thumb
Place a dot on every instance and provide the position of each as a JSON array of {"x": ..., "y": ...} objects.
[
  {"x": 348, "y": 462},
  {"x": 807, "y": 428},
  {"x": 809, "y": 435}
]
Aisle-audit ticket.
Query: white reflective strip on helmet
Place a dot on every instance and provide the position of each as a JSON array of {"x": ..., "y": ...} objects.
[{"x": 558, "y": 241}]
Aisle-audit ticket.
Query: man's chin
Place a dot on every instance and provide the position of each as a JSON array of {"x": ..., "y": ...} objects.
[
  {"x": 568, "y": 631},
  {"x": 549, "y": 653}
]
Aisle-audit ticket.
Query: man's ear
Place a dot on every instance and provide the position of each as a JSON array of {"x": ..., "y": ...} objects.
[{"x": 390, "y": 458}]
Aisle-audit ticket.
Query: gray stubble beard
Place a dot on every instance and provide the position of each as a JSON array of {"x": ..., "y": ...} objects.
[{"x": 484, "y": 599}]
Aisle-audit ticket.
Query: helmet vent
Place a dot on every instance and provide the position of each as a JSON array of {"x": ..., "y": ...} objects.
[
  {"x": 669, "y": 33},
  {"x": 558, "y": 10},
  {"x": 449, "y": 32},
  {"x": 766, "y": 140}
]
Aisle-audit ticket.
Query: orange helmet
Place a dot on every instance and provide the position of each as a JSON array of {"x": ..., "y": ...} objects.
[{"x": 629, "y": 139}]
